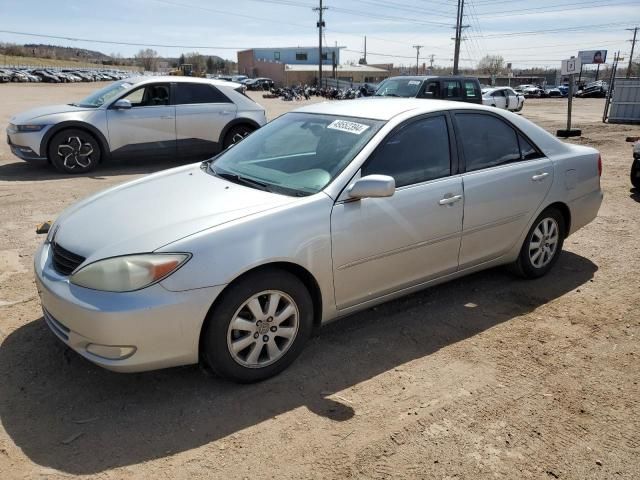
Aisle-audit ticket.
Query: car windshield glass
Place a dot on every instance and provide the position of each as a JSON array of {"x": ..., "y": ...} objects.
[
  {"x": 296, "y": 154},
  {"x": 104, "y": 95},
  {"x": 399, "y": 87}
]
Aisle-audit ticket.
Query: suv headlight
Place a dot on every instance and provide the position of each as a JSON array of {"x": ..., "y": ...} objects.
[
  {"x": 130, "y": 272},
  {"x": 29, "y": 128}
]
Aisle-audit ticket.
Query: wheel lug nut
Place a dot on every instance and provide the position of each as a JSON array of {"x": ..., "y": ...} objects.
[
  {"x": 270, "y": 319},
  {"x": 256, "y": 335},
  {"x": 259, "y": 322},
  {"x": 265, "y": 338},
  {"x": 274, "y": 328}
]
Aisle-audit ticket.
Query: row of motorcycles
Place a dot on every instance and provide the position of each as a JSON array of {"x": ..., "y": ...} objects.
[{"x": 305, "y": 92}]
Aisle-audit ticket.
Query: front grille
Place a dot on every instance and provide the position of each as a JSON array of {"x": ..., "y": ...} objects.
[{"x": 64, "y": 261}]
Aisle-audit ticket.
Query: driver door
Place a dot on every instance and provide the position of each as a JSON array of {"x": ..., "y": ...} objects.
[
  {"x": 148, "y": 128},
  {"x": 382, "y": 245},
  {"x": 499, "y": 99}
]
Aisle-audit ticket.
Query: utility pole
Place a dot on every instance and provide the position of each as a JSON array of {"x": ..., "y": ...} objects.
[
  {"x": 456, "y": 54},
  {"x": 431, "y": 57},
  {"x": 320, "y": 25},
  {"x": 365, "y": 49},
  {"x": 417, "y": 47},
  {"x": 633, "y": 44}
]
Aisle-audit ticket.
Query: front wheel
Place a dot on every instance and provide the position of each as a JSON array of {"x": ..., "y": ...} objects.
[
  {"x": 236, "y": 134},
  {"x": 635, "y": 173},
  {"x": 259, "y": 326},
  {"x": 542, "y": 245},
  {"x": 74, "y": 151}
]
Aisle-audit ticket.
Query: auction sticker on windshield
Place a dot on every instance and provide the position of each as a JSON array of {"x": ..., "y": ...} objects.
[{"x": 346, "y": 126}]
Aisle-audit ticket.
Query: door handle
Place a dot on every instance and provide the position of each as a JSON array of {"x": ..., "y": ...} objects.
[
  {"x": 225, "y": 112},
  {"x": 540, "y": 176},
  {"x": 450, "y": 199}
]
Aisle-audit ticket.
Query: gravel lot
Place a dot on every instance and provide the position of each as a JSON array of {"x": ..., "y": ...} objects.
[{"x": 484, "y": 377}]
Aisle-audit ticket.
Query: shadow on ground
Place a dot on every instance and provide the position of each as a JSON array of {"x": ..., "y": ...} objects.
[
  {"x": 50, "y": 394},
  {"x": 32, "y": 172}
]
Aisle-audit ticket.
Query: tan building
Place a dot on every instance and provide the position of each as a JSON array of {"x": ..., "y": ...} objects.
[{"x": 304, "y": 72}]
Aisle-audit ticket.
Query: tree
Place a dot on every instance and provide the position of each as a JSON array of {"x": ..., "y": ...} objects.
[
  {"x": 181, "y": 61},
  {"x": 491, "y": 64},
  {"x": 210, "y": 65},
  {"x": 148, "y": 59}
]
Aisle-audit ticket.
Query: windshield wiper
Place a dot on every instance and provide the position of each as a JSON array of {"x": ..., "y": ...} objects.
[{"x": 235, "y": 178}]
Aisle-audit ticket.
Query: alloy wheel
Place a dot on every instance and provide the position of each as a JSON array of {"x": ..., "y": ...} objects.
[
  {"x": 544, "y": 242},
  {"x": 76, "y": 153},
  {"x": 263, "y": 329}
]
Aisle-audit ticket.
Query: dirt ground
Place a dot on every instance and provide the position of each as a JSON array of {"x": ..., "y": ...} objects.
[{"x": 484, "y": 377}]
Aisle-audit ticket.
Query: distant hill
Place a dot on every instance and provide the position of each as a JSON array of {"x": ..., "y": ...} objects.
[{"x": 63, "y": 53}]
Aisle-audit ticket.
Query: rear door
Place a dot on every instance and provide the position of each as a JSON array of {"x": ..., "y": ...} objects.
[
  {"x": 505, "y": 180},
  {"x": 499, "y": 99},
  {"x": 381, "y": 245},
  {"x": 148, "y": 128},
  {"x": 452, "y": 90},
  {"x": 202, "y": 112}
]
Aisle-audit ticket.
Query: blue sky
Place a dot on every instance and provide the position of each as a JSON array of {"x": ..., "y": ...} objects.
[{"x": 514, "y": 29}]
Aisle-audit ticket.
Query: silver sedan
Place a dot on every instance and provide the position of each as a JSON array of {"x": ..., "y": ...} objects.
[{"x": 325, "y": 211}]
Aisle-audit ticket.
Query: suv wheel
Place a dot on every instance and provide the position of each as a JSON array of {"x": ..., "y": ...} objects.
[
  {"x": 74, "y": 151},
  {"x": 235, "y": 134}
]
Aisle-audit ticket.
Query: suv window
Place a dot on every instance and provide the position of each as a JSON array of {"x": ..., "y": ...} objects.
[
  {"x": 190, "y": 93},
  {"x": 431, "y": 89},
  {"x": 452, "y": 89},
  {"x": 471, "y": 89},
  {"x": 151, "y": 95},
  {"x": 487, "y": 141},
  {"x": 416, "y": 153}
]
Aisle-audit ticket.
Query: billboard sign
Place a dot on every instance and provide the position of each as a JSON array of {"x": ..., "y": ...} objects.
[{"x": 592, "y": 56}]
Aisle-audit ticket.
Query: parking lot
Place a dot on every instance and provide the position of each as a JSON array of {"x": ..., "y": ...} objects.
[{"x": 485, "y": 376}]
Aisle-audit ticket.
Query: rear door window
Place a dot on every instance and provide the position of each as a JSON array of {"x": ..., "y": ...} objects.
[
  {"x": 452, "y": 90},
  {"x": 431, "y": 90},
  {"x": 471, "y": 90},
  {"x": 487, "y": 141},
  {"x": 190, "y": 93}
]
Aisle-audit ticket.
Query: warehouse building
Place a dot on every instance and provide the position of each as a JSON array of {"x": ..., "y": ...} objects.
[{"x": 299, "y": 65}]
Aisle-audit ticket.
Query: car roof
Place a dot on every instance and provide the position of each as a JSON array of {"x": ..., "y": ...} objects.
[
  {"x": 384, "y": 108},
  {"x": 427, "y": 77}
]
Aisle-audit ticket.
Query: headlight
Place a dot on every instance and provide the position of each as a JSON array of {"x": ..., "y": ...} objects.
[
  {"x": 128, "y": 273},
  {"x": 29, "y": 128}
]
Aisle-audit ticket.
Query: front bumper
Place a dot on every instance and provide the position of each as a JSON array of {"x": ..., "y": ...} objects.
[
  {"x": 26, "y": 145},
  {"x": 154, "y": 327}
]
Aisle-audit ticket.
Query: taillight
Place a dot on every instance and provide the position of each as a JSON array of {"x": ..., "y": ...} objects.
[{"x": 599, "y": 165}]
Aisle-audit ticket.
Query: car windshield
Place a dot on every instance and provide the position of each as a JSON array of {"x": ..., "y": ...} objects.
[
  {"x": 399, "y": 87},
  {"x": 296, "y": 154},
  {"x": 104, "y": 95}
]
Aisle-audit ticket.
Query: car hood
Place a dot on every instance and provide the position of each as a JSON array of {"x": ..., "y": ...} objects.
[
  {"x": 39, "y": 112},
  {"x": 151, "y": 212}
]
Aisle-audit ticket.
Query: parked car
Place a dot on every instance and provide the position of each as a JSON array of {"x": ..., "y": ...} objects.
[
  {"x": 503, "y": 97},
  {"x": 593, "y": 90},
  {"x": 530, "y": 91},
  {"x": 142, "y": 117},
  {"x": 564, "y": 89},
  {"x": 553, "y": 92},
  {"x": 46, "y": 76},
  {"x": 239, "y": 78},
  {"x": 324, "y": 211},
  {"x": 260, "y": 83},
  {"x": 5, "y": 76},
  {"x": 460, "y": 89},
  {"x": 635, "y": 166}
]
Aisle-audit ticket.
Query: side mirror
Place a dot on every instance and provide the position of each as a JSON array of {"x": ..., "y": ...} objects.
[
  {"x": 372, "y": 186},
  {"x": 122, "y": 104}
]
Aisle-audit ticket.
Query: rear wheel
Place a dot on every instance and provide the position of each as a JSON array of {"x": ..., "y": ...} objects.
[
  {"x": 236, "y": 134},
  {"x": 74, "y": 151},
  {"x": 259, "y": 326},
  {"x": 542, "y": 245},
  {"x": 635, "y": 173}
]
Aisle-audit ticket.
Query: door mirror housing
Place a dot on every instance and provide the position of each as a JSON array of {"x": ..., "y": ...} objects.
[
  {"x": 372, "y": 186},
  {"x": 122, "y": 104}
]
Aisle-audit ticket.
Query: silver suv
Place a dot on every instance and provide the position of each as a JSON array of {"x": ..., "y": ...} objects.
[{"x": 168, "y": 117}]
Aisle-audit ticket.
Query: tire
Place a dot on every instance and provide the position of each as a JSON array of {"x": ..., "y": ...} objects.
[
  {"x": 535, "y": 262},
  {"x": 520, "y": 107},
  {"x": 74, "y": 151},
  {"x": 635, "y": 173},
  {"x": 231, "y": 352},
  {"x": 235, "y": 134}
]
